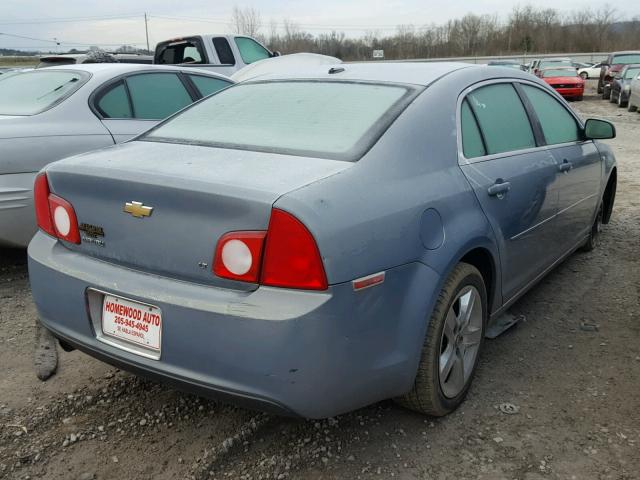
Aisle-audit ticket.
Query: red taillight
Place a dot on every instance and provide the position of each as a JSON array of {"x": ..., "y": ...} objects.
[
  {"x": 55, "y": 215},
  {"x": 291, "y": 256},
  {"x": 284, "y": 256},
  {"x": 239, "y": 255},
  {"x": 41, "y": 202}
]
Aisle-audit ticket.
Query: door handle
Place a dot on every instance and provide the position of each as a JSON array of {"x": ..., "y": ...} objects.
[
  {"x": 565, "y": 166},
  {"x": 499, "y": 188}
]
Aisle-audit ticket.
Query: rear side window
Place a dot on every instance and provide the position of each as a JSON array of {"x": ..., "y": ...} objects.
[
  {"x": 558, "y": 125},
  {"x": 29, "y": 93},
  {"x": 223, "y": 49},
  {"x": 208, "y": 85},
  {"x": 337, "y": 120},
  {"x": 250, "y": 50},
  {"x": 472, "y": 144},
  {"x": 157, "y": 95},
  {"x": 502, "y": 118},
  {"x": 115, "y": 103}
]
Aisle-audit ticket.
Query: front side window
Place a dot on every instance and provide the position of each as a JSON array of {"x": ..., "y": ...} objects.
[
  {"x": 250, "y": 50},
  {"x": 29, "y": 93},
  {"x": 558, "y": 125},
  {"x": 502, "y": 118},
  {"x": 155, "y": 96},
  {"x": 338, "y": 120}
]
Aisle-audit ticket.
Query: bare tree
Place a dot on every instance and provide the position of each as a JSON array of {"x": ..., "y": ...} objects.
[{"x": 246, "y": 21}]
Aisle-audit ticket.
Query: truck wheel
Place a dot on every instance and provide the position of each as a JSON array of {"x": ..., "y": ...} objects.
[{"x": 452, "y": 345}]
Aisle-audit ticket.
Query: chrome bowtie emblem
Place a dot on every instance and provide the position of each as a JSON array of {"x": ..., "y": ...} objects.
[{"x": 137, "y": 209}]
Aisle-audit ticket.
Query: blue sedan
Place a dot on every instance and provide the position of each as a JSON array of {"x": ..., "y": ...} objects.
[{"x": 312, "y": 243}]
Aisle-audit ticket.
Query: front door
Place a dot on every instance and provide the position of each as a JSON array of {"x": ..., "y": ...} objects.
[{"x": 579, "y": 166}]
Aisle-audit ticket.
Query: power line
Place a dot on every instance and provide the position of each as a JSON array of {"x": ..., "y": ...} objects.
[{"x": 71, "y": 19}]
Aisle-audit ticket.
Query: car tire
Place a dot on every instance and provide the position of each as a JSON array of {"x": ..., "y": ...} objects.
[
  {"x": 612, "y": 99},
  {"x": 621, "y": 102},
  {"x": 606, "y": 93},
  {"x": 584, "y": 75},
  {"x": 593, "y": 240},
  {"x": 631, "y": 108},
  {"x": 430, "y": 394},
  {"x": 580, "y": 98}
]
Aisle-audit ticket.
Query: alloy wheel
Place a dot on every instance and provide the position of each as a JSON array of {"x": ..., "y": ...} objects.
[{"x": 460, "y": 342}]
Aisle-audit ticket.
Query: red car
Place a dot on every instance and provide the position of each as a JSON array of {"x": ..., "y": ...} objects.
[{"x": 565, "y": 81}]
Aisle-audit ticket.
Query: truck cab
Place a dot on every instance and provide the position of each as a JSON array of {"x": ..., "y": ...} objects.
[{"x": 225, "y": 54}]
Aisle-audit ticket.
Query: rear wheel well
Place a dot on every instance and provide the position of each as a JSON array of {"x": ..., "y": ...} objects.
[
  {"x": 609, "y": 196},
  {"x": 482, "y": 259}
]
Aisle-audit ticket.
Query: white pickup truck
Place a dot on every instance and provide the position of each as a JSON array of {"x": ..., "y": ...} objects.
[{"x": 225, "y": 54}]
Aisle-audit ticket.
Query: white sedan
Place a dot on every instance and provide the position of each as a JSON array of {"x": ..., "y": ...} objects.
[{"x": 590, "y": 72}]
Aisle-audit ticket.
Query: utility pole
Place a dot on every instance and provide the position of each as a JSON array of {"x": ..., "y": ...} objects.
[{"x": 146, "y": 30}]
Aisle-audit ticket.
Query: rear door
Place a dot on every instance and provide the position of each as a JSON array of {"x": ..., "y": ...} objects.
[
  {"x": 137, "y": 102},
  {"x": 514, "y": 179},
  {"x": 579, "y": 166}
]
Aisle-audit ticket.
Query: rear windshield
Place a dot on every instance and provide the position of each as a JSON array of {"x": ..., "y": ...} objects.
[
  {"x": 29, "y": 93},
  {"x": 552, "y": 63},
  {"x": 337, "y": 120},
  {"x": 632, "y": 72},
  {"x": 626, "y": 59},
  {"x": 559, "y": 73}
]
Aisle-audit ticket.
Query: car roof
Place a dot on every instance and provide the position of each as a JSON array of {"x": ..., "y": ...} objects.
[
  {"x": 416, "y": 73},
  {"x": 101, "y": 71}
]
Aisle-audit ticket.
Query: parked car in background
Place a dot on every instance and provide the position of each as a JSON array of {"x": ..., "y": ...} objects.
[
  {"x": 550, "y": 62},
  {"x": 634, "y": 95},
  {"x": 565, "y": 81},
  {"x": 305, "y": 233},
  {"x": 621, "y": 84},
  {"x": 579, "y": 65},
  {"x": 93, "y": 57},
  {"x": 591, "y": 71},
  {"x": 52, "y": 113},
  {"x": 286, "y": 64},
  {"x": 225, "y": 54},
  {"x": 507, "y": 63},
  {"x": 612, "y": 65}
]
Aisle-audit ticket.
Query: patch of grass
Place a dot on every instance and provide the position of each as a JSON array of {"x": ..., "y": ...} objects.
[{"x": 18, "y": 61}]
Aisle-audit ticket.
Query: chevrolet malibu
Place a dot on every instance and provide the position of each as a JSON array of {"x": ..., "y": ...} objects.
[{"x": 310, "y": 243}]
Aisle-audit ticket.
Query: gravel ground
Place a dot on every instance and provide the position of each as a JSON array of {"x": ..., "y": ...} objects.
[{"x": 553, "y": 398}]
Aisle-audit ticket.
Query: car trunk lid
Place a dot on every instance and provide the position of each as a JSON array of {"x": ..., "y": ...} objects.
[{"x": 196, "y": 194}]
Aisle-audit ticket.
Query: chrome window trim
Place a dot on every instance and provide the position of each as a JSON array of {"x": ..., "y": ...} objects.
[{"x": 462, "y": 160}]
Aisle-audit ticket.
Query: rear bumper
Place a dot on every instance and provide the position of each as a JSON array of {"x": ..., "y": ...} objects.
[
  {"x": 312, "y": 354},
  {"x": 17, "y": 216}
]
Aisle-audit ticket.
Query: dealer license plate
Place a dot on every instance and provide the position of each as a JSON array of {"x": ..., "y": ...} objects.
[{"x": 132, "y": 322}]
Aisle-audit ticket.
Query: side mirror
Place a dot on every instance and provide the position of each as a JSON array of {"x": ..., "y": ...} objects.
[
  {"x": 276, "y": 54},
  {"x": 595, "y": 129}
]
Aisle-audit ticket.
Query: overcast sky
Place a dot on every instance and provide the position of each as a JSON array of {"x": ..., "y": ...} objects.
[{"x": 82, "y": 23}]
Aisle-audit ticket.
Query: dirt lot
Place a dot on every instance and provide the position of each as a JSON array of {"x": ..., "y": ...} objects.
[{"x": 577, "y": 392}]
